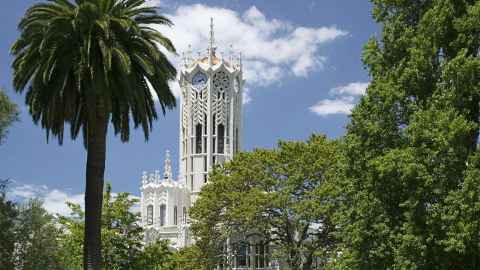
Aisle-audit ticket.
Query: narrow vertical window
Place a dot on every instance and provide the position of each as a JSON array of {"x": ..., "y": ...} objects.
[
  {"x": 214, "y": 124},
  {"x": 205, "y": 178},
  {"x": 206, "y": 124},
  {"x": 221, "y": 140},
  {"x": 163, "y": 210},
  {"x": 150, "y": 214},
  {"x": 260, "y": 255},
  {"x": 191, "y": 183},
  {"x": 242, "y": 255},
  {"x": 175, "y": 216},
  {"x": 198, "y": 139},
  {"x": 184, "y": 214}
]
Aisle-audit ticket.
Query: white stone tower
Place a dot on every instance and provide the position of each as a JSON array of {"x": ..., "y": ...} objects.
[
  {"x": 210, "y": 134},
  {"x": 210, "y": 114}
]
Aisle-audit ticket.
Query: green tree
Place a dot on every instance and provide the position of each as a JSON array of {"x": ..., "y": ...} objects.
[
  {"x": 190, "y": 258},
  {"x": 8, "y": 215},
  {"x": 8, "y": 114},
  {"x": 409, "y": 180},
  {"x": 282, "y": 195},
  {"x": 156, "y": 256},
  {"x": 86, "y": 64},
  {"x": 121, "y": 234},
  {"x": 37, "y": 242}
]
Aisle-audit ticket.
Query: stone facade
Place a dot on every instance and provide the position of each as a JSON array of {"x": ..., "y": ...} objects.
[{"x": 210, "y": 134}]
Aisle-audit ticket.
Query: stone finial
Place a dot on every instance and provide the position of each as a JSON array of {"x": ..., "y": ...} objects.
[
  {"x": 144, "y": 178},
  {"x": 230, "y": 54},
  {"x": 188, "y": 57},
  {"x": 167, "y": 170},
  {"x": 211, "y": 44}
]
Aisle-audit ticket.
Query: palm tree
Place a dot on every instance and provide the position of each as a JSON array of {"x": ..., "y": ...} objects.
[{"x": 87, "y": 63}]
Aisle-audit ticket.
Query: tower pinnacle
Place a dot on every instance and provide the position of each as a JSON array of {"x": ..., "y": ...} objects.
[
  {"x": 211, "y": 43},
  {"x": 167, "y": 170}
]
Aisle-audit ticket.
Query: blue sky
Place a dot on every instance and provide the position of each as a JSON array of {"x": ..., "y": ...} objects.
[{"x": 306, "y": 84}]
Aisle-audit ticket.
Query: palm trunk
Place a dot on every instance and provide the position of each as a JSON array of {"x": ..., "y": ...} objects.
[{"x": 96, "y": 152}]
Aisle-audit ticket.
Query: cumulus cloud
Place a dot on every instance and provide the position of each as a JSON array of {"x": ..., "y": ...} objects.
[
  {"x": 271, "y": 49},
  {"x": 54, "y": 200},
  {"x": 333, "y": 106},
  {"x": 344, "y": 101}
]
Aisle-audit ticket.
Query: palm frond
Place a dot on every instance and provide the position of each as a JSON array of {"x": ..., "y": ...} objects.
[{"x": 71, "y": 55}]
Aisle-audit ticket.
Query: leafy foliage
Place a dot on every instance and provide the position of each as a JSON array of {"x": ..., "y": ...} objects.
[
  {"x": 190, "y": 258},
  {"x": 86, "y": 64},
  {"x": 37, "y": 244},
  {"x": 156, "y": 256},
  {"x": 283, "y": 195},
  {"x": 8, "y": 114},
  {"x": 409, "y": 168},
  {"x": 8, "y": 215},
  {"x": 121, "y": 234},
  {"x": 92, "y": 56}
]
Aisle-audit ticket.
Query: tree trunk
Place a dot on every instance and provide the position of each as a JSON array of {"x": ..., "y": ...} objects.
[{"x": 96, "y": 152}]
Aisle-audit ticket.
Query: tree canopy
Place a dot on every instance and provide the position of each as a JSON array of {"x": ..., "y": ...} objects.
[
  {"x": 410, "y": 167},
  {"x": 121, "y": 232},
  {"x": 282, "y": 195}
]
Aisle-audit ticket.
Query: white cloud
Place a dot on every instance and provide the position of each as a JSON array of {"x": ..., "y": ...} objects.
[
  {"x": 272, "y": 49},
  {"x": 25, "y": 191},
  {"x": 343, "y": 103},
  {"x": 54, "y": 201},
  {"x": 354, "y": 89},
  {"x": 153, "y": 3},
  {"x": 325, "y": 107},
  {"x": 246, "y": 98}
]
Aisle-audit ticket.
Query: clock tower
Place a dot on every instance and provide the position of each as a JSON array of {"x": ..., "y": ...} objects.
[{"x": 210, "y": 114}]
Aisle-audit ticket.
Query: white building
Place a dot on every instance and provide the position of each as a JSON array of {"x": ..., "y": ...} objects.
[{"x": 210, "y": 133}]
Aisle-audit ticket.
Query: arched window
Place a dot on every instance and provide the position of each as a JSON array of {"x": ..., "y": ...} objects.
[
  {"x": 175, "y": 221},
  {"x": 184, "y": 214},
  {"x": 150, "y": 214},
  {"x": 221, "y": 141},
  {"x": 163, "y": 210}
]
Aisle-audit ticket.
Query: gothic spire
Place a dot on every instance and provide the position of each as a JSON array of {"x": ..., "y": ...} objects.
[
  {"x": 167, "y": 170},
  {"x": 211, "y": 43}
]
